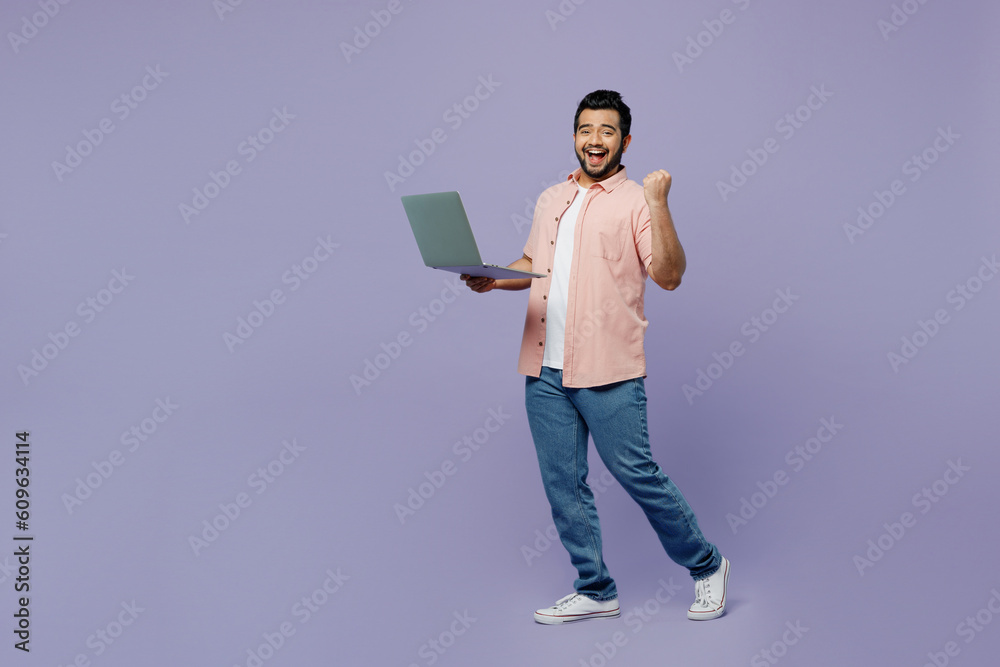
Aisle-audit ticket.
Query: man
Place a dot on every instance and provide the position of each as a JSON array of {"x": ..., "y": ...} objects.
[{"x": 597, "y": 236}]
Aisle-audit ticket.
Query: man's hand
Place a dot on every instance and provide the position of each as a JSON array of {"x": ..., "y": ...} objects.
[
  {"x": 478, "y": 283},
  {"x": 481, "y": 284},
  {"x": 656, "y": 186}
]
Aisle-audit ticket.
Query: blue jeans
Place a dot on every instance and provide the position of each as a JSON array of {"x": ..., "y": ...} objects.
[{"x": 561, "y": 419}]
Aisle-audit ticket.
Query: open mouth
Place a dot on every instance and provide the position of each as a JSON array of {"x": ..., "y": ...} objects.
[{"x": 595, "y": 155}]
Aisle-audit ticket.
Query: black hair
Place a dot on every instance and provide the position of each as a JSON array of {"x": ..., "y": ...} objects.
[{"x": 606, "y": 99}]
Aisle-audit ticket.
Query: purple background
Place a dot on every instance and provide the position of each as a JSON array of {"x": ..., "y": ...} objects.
[{"x": 468, "y": 548}]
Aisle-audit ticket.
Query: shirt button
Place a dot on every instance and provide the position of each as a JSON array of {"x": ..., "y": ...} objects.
[
  {"x": 552, "y": 242},
  {"x": 550, "y": 270},
  {"x": 568, "y": 201},
  {"x": 544, "y": 297},
  {"x": 543, "y": 319},
  {"x": 557, "y": 218},
  {"x": 540, "y": 343}
]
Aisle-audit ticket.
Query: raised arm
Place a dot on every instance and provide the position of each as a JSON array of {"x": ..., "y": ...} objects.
[
  {"x": 480, "y": 284},
  {"x": 668, "y": 261}
]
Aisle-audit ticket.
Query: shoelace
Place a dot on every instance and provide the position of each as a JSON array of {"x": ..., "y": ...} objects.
[
  {"x": 566, "y": 601},
  {"x": 702, "y": 593}
]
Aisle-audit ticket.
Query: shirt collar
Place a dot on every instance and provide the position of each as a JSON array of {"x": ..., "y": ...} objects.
[{"x": 608, "y": 184}]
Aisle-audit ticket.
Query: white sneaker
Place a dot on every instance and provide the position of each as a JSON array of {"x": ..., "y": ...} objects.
[
  {"x": 710, "y": 595},
  {"x": 576, "y": 607}
]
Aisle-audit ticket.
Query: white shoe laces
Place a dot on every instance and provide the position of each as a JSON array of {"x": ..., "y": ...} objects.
[
  {"x": 702, "y": 592},
  {"x": 565, "y": 602}
]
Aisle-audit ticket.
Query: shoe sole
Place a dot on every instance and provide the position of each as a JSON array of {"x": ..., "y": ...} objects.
[
  {"x": 557, "y": 620},
  {"x": 715, "y": 613}
]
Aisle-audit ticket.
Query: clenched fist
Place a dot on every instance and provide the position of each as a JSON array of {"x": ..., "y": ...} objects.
[{"x": 656, "y": 186}]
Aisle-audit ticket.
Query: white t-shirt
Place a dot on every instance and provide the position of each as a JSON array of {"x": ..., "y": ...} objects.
[{"x": 555, "y": 315}]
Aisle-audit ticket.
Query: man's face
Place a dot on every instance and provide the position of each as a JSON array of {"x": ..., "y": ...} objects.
[{"x": 599, "y": 143}]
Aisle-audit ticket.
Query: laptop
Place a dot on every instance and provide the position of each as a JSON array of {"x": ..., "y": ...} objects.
[{"x": 445, "y": 237}]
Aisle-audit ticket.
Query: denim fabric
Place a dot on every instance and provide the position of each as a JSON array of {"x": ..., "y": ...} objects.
[{"x": 561, "y": 419}]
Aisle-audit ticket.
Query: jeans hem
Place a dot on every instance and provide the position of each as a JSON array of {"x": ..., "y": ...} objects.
[{"x": 706, "y": 576}]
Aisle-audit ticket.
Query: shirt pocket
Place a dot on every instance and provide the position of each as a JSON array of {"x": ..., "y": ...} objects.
[{"x": 609, "y": 237}]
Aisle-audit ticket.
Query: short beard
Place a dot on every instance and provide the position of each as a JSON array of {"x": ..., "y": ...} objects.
[{"x": 608, "y": 169}]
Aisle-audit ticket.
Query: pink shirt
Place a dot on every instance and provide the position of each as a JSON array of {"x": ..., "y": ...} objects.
[{"x": 612, "y": 249}]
